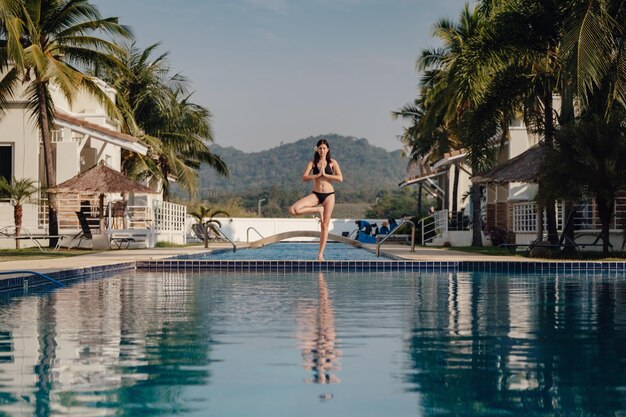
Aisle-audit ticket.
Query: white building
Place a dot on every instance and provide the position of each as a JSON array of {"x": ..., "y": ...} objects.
[{"x": 84, "y": 136}]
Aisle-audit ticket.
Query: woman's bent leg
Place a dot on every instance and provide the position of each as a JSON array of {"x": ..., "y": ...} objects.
[
  {"x": 308, "y": 204},
  {"x": 329, "y": 205}
]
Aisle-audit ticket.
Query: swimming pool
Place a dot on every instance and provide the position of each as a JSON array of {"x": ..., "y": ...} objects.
[
  {"x": 144, "y": 343},
  {"x": 290, "y": 251}
]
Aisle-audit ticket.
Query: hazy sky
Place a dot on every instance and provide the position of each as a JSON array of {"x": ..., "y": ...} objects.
[{"x": 275, "y": 71}]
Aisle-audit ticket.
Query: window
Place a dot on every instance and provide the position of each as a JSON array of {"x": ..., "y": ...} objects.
[{"x": 6, "y": 163}]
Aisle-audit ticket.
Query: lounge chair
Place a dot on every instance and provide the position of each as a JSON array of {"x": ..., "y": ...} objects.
[
  {"x": 86, "y": 233},
  {"x": 213, "y": 234},
  {"x": 10, "y": 232},
  {"x": 564, "y": 241}
]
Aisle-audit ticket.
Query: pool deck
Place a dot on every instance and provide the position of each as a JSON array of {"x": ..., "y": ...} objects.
[{"x": 113, "y": 257}]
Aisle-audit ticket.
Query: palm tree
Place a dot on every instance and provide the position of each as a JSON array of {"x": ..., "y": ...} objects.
[
  {"x": 521, "y": 44},
  {"x": 594, "y": 42},
  {"x": 448, "y": 93},
  {"x": 157, "y": 108},
  {"x": 425, "y": 144},
  {"x": 20, "y": 192},
  {"x": 205, "y": 216},
  {"x": 589, "y": 158},
  {"x": 44, "y": 43}
]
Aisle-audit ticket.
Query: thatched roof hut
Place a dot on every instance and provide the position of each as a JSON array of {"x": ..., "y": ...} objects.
[
  {"x": 102, "y": 179},
  {"x": 525, "y": 167}
]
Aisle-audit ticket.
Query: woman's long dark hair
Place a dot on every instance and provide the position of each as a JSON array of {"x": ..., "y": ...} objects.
[{"x": 316, "y": 158}]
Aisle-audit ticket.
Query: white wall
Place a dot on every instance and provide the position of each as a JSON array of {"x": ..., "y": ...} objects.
[
  {"x": 18, "y": 131},
  {"x": 236, "y": 229}
]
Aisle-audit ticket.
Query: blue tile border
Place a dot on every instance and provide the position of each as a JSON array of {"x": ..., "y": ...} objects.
[
  {"x": 383, "y": 266},
  {"x": 25, "y": 281},
  {"x": 21, "y": 282}
]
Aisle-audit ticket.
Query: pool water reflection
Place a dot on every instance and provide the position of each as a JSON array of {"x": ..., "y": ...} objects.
[{"x": 332, "y": 344}]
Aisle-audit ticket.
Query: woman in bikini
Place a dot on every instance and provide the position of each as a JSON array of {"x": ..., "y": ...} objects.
[{"x": 323, "y": 171}]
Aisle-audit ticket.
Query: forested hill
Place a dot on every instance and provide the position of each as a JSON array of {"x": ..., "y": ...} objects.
[{"x": 366, "y": 169}]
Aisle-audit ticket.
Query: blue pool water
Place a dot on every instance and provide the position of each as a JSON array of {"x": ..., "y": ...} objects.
[
  {"x": 318, "y": 344},
  {"x": 292, "y": 251}
]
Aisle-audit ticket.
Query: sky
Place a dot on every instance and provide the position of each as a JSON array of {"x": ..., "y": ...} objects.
[{"x": 276, "y": 71}]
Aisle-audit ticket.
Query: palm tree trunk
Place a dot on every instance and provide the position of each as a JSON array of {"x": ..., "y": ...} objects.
[
  {"x": 419, "y": 200},
  {"x": 568, "y": 229},
  {"x": 165, "y": 173},
  {"x": 549, "y": 132},
  {"x": 17, "y": 219},
  {"x": 604, "y": 212},
  {"x": 206, "y": 235},
  {"x": 51, "y": 176},
  {"x": 455, "y": 190},
  {"x": 539, "y": 221},
  {"x": 477, "y": 239}
]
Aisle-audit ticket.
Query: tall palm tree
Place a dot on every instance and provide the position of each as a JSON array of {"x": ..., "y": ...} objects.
[
  {"x": 157, "y": 108},
  {"x": 522, "y": 44},
  {"x": 53, "y": 42},
  {"x": 448, "y": 93},
  {"x": 20, "y": 192}
]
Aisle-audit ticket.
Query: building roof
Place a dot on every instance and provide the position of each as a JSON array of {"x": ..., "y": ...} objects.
[
  {"x": 123, "y": 140},
  {"x": 102, "y": 179},
  {"x": 525, "y": 167},
  {"x": 420, "y": 178},
  {"x": 450, "y": 158}
]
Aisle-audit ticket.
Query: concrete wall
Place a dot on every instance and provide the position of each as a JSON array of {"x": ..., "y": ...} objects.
[{"x": 236, "y": 229}]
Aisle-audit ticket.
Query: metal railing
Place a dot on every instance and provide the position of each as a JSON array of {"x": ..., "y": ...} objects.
[
  {"x": 248, "y": 234},
  {"x": 226, "y": 237},
  {"x": 394, "y": 231},
  {"x": 434, "y": 225}
]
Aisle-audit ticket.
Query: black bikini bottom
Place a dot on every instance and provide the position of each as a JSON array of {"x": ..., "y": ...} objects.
[{"x": 322, "y": 196}]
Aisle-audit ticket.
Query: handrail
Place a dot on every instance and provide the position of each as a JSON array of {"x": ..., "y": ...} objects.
[
  {"x": 248, "y": 234},
  {"x": 34, "y": 273},
  {"x": 423, "y": 227},
  {"x": 394, "y": 231},
  {"x": 439, "y": 222},
  {"x": 226, "y": 237}
]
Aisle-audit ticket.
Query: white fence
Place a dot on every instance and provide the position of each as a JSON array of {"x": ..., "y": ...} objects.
[
  {"x": 163, "y": 221},
  {"x": 524, "y": 216},
  {"x": 169, "y": 221}
]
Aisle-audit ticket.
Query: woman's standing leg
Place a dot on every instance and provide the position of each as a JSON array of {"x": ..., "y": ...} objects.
[{"x": 329, "y": 205}]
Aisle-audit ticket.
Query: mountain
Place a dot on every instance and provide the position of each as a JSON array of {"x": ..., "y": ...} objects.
[{"x": 367, "y": 169}]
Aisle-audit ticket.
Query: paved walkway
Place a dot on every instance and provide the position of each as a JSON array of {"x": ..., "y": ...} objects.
[
  {"x": 120, "y": 256},
  {"x": 437, "y": 254}
]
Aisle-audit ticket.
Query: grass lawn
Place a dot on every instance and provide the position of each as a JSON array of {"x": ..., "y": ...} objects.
[{"x": 34, "y": 253}]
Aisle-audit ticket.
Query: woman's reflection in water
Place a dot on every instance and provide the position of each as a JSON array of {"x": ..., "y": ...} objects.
[{"x": 317, "y": 338}]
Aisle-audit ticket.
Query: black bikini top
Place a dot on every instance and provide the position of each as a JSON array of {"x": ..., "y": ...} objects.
[{"x": 328, "y": 170}]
